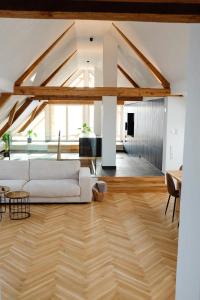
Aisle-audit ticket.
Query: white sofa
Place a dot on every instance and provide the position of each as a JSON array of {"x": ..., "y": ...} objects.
[{"x": 48, "y": 181}]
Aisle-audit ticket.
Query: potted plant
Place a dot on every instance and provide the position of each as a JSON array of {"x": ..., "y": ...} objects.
[
  {"x": 85, "y": 129},
  {"x": 6, "y": 140},
  {"x": 30, "y": 135}
]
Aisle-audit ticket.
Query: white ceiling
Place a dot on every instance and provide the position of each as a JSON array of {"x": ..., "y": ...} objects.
[{"x": 23, "y": 41}]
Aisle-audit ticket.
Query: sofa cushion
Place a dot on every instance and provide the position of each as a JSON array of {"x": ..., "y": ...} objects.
[
  {"x": 50, "y": 169},
  {"x": 14, "y": 169},
  {"x": 52, "y": 188},
  {"x": 14, "y": 185}
]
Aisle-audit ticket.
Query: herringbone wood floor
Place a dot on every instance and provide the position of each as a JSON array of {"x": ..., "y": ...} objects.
[{"x": 122, "y": 248}]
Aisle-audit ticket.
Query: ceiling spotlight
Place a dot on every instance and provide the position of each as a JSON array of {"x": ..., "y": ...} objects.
[
  {"x": 91, "y": 39},
  {"x": 87, "y": 61}
]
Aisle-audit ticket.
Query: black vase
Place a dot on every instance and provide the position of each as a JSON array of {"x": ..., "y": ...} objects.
[{"x": 6, "y": 154}]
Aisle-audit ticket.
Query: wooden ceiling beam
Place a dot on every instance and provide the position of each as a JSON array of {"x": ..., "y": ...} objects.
[
  {"x": 84, "y": 92},
  {"x": 32, "y": 67},
  {"x": 54, "y": 73},
  {"x": 66, "y": 98},
  {"x": 118, "y": 10},
  {"x": 156, "y": 73},
  {"x": 127, "y": 76},
  {"x": 34, "y": 114},
  {"x": 84, "y": 99}
]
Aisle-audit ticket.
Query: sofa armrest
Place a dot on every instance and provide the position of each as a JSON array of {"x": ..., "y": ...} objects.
[{"x": 85, "y": 182}]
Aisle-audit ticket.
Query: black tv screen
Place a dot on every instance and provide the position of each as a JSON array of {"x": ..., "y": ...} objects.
[{"x": 130, "y": 124}]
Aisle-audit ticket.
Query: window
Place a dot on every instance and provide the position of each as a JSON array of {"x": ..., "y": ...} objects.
[
  {"x": 58, "y": 121},
  {"x": 67, "y": 119},
  {"x": 91, "y": 117},
  {"x": 38, "y": 127},
  {"x": 75, "y": 121}
]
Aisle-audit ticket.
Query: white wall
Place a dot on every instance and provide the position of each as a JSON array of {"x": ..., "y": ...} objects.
[
  {"x": 164, "y": 44},
  {"x": 22, "y": 41},
  {"x": 174, "y": 126},
  {"x": 188, "y": 270}
]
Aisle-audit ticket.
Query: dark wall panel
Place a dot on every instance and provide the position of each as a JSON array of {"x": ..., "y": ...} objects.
[{"x": 148, "y": 131}]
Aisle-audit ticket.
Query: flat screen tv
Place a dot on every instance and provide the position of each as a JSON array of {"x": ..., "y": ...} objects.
[{"x": 130, "y": 124}]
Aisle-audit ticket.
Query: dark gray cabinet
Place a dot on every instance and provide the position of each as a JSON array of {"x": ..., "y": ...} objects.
[{"x": 90, "y": 146}]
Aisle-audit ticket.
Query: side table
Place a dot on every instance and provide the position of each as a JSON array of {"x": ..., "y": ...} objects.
[
  {"x": 19, "y": 205},
  {"x": 3, "y": 191}
]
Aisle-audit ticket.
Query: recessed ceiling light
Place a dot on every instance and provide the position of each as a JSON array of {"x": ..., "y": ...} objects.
[{"x": 87, "y": 61}]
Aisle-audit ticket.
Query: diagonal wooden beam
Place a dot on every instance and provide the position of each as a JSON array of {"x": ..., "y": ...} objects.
[
  {"x": 34, "y": 114},
  {"x": 69, "y": 78},
  {"x": 32, "y": 67},
  {"x": 4, "y": 98},
  {"x": 128, "y": 77},
  {"x": 29, "y": 100},
  {"x": 157, "y": 74},
  {"x": 10, "y": 119},
  {"x": 12, "y": 114},
  {"x": 22, "y": 108},
  {"x": 53, "y": 74},
  {"x": 17, "y": 114}
]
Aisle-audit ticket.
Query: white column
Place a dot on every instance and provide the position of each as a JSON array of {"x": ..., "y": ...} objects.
[
  {"x": 109, "y": 103},
  {"x": 188, "y": 268},
  {"x": 98, "y": 104}
]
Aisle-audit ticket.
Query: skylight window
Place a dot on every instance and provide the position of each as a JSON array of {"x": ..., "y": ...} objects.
[{"x": 33, "y": 77}]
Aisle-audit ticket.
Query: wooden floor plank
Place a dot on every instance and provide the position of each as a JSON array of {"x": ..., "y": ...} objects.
[{"x": 121, "y": 248}]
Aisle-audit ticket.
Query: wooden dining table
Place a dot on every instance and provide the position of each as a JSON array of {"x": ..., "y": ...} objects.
[{"x": 177, "y": 174}]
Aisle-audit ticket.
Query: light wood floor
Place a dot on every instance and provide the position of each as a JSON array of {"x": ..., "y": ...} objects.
[{"x": 122, "y": 248}]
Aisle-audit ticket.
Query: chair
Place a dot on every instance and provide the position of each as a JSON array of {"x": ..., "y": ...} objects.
[
  {"x": 178, "y": 184},
  {"x": 173, "y": 192}
]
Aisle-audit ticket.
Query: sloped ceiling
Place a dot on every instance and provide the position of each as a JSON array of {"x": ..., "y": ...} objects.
[{"x": 23, "y": 41}]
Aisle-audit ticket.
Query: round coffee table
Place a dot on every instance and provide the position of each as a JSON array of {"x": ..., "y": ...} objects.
[
  {"x": 3, "y": 191},
  {"x": 19, "y": 205}
]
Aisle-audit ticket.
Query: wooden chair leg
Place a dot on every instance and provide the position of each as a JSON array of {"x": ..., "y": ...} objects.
[
  {"x": 174, "y": 209},
  {"x": 167, "y": 204}
]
